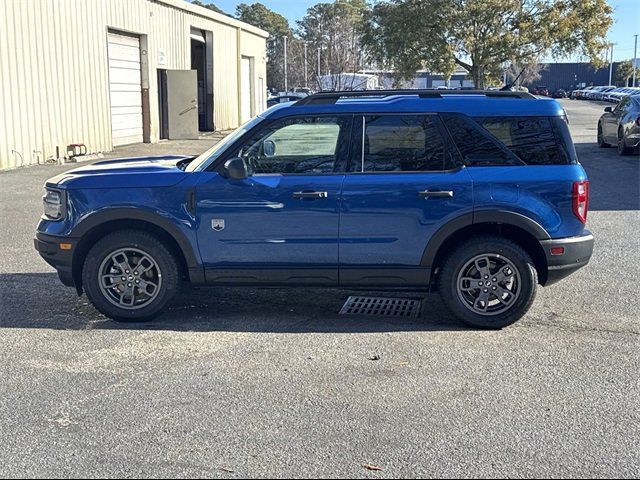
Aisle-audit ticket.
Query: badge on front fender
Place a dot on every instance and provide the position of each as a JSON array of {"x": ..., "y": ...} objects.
[{"x": 217, "y": 224}]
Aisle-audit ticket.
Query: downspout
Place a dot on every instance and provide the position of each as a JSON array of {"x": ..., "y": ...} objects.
[{"x": 239, "y": 75}]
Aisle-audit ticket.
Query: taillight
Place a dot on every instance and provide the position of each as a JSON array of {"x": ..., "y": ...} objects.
[{"x": 581, "y": 200}]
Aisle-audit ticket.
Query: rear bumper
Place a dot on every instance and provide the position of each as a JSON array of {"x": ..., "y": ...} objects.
[
  {"x": 48, "y": 246},
  {"x": 577, "y": 253}
]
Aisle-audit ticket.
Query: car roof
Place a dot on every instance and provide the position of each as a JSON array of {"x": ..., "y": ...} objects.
[{"x": 473, "y": 104}]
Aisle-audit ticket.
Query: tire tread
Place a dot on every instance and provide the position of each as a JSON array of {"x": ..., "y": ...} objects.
[
  {"x": 473, "y": 246},
  {"x": 138, "y": 239}
]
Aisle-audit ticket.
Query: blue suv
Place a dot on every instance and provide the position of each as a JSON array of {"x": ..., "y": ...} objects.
[{"x": 478, "y": 195}]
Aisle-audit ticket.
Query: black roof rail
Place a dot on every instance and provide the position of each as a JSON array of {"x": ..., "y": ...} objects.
[{"x": 333, "y": 97}]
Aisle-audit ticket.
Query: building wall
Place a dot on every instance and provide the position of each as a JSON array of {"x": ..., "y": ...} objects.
[
  {"x": 54, "y": 85},
  {"x": 570, "y": 76}
]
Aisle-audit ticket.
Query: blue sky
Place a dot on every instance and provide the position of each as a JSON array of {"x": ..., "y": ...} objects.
[{"x": 626, "y": 14}]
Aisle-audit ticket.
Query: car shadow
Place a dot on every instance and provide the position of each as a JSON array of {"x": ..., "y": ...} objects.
[
  {"x": 614, "y": 180},
  {"x": 38, "y": 300}
]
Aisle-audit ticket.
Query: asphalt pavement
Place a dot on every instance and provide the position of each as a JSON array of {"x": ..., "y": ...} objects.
[{"x": 236, "y": 383}]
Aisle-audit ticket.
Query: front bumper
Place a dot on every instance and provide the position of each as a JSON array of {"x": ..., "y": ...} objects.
[
  {"x": 576, "y": 254},
  {"x": 48, "y": 246},
  {"x": 632, "y": 139}
]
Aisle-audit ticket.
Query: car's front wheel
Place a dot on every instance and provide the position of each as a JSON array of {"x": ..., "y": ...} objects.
[
  {"x": 130, "y": 275},
  {"x": 488, "y": 282},
  {"x": 601, "y": 142}
]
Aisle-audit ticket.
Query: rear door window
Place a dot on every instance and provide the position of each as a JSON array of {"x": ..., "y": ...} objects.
[{"x": 402, "y": 143}]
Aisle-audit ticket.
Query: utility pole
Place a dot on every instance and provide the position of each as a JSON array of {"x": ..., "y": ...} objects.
[
  {"x": 319, "y": 85},
  {"x": 286, "y": 84},
  {"x": 305, "y": 65},
  {"x": 635, "y": 60},
  {"x": 611, "y": 64}
]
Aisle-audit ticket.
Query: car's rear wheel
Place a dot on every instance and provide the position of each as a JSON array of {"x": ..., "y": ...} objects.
[
  {"x": 601, "y": 142},
  {"x": 130, "y": 275},
  {"x": 488, "y": 282},
  {"x": 622, "y": 148}
]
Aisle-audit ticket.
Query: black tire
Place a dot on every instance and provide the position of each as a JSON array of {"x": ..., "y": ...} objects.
[
  {"x": 622, "y": 148},
  {"x": 601, "y": 142},
  {"x": 165, "y": 269},
  {"x": 526, "y": 279}
]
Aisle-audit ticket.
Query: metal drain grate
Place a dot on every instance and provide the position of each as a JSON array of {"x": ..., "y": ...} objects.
[{"x": 384, "y": 307}]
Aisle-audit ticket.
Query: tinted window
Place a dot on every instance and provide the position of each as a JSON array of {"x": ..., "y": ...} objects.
[
  {"x": 476, "y": 146},
  {"x": 402, "y": 143},
  {"x": 532, "y": 139},
  {"x": 622, "y": 104},
  {"x": 561, "y": 130},
  {"x": 296, "y": 146}
]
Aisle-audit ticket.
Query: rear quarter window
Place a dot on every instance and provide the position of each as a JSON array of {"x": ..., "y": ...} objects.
[
  {"x": 534, "y": 140},
  {"x": 476, "y": 146}
]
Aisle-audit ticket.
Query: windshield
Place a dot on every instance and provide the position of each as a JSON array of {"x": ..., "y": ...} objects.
[{"x": 205, "y": 159}]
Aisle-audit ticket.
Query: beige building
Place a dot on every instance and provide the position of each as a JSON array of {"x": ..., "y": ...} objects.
[{"x": 104, "y": 73}]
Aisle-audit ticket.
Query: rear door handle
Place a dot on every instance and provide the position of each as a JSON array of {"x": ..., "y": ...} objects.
[
  {"x": 310, "y": 195},
  {"x": 436, "y": 193}
]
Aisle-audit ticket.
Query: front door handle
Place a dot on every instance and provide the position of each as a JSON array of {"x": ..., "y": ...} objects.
[
  {"x": 436, "y": 193},
  {"x": 310, "y": 195}
]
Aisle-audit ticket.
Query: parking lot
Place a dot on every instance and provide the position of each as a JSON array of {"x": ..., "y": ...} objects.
[{"x": 274, "y": 383}]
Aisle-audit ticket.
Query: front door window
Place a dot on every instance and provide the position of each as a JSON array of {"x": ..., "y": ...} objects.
[{"x": 298, "y": 146}]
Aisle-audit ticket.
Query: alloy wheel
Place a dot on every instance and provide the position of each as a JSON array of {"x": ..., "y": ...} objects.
[
  {"x": 129, "y": 278},
  {"x": 488, "y": 284}
]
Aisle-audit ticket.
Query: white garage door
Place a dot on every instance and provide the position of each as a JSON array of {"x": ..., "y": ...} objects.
[
  {"x": 245, "y": 94},
  {"x": 125, "y": 86}
]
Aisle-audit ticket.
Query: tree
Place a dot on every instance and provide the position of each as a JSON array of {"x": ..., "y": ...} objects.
[
  {"x": 624, "y": 71},
  {"x": 335, "y": 29},
  {"x": 262, "y": 17},
  {"x": 210, "y": 6},
  {"x": 525, "y": 73},
  {"x": 482, "y": 36}
]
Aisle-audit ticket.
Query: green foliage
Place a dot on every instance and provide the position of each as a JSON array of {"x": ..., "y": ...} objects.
[
  {"x": 482, "y": 36},
  {"x": 210, "y": 6},
  {"x": 624, "y": 71},
  {"x": 262, "y": 17}
]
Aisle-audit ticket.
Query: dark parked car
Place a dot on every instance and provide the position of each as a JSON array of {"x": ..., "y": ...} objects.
[
  {"x": 560, "y": 93},
  {"x": 544, "y": 91},
  {"x": 478, "y": 195},
  {"x": 620, "y": 126}
]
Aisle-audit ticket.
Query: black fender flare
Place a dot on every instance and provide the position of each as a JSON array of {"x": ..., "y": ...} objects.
[
  {"x": 113, "y": 214},
  {"x": 504, "y": 217}
]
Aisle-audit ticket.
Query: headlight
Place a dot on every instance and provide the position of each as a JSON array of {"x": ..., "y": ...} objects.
[{"x": 53, "y": 203}]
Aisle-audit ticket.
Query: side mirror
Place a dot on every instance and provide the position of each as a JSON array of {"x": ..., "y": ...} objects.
[
  {"x": 269, "y": 148},
  {"x": 608, "y": 109},
  {"x": 236, "y": 169}
]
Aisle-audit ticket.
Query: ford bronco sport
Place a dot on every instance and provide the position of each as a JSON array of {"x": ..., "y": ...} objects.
[{"x": 478, "y": 195}]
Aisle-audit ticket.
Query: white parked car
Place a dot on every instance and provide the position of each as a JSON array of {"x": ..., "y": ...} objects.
[{"x": 616, "y": 94}]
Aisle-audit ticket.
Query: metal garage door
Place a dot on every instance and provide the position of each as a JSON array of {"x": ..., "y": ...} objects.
[
  {"x": 245, "y": 94},
  {"x": 125, "y": 88}
]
